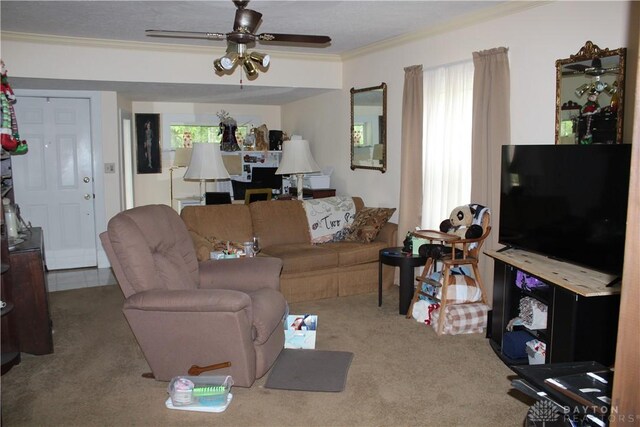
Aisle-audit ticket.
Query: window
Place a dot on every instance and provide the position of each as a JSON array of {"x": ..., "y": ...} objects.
[
  {"x": 358, "y": 134},
  {"x": 446, "y": 153},
  {"x": 186, "y": 135},
  {"x": 178, "y": 129}
]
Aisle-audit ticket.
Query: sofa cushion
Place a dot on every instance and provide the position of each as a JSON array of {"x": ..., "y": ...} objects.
[
  {"x": 280, "y": 222},
  {"x": 221, "y": 222},
  {"x": 355, "y": 253},
  {"x": 367, "y": 224},
  {"x": 211, "y": 226},
  {"x": 303, "y": 257}
]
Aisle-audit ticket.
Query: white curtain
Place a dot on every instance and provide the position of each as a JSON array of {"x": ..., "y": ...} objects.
[{"x": 446, "y": 155}]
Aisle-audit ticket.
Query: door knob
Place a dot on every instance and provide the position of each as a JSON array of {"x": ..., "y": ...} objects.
[
  {"x": 86, "y": 179},
  {"x": 87, "y": 196}
]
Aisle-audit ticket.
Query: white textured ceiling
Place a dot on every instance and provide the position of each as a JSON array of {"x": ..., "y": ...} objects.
[{"x": 350, "y": 24}]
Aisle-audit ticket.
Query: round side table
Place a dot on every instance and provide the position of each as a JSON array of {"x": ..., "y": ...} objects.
[{"x": 407, "y": 262}]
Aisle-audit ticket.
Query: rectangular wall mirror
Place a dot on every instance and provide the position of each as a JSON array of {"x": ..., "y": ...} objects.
[
  {"x": 369, "y": 128},
  {"x": 590, "y": 96}
]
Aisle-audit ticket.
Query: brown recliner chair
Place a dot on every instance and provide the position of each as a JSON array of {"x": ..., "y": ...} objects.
[{"x": 186, "y": 313}]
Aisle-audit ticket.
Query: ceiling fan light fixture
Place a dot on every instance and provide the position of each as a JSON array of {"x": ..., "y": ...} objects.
[
  {"x": 229, "y": 61},
  {"x": 582, "y": 89},
  {"x": 261, "y": 59},
  {"x": 217, "y": 65},
  {"x": 600, "y": 86},
  {"x": 611, "y": 90},
  {"x": 249, "y": 68}
]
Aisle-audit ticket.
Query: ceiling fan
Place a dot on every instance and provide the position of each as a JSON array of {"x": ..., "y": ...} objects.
[
  {"x": 594, "y": 69},
  {"x": 244, "y": 26}
]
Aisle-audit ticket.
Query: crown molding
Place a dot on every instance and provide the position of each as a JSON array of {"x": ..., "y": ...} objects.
[
  {"x": 149, "y": 46},
  {"x": 504, "y": 9}
]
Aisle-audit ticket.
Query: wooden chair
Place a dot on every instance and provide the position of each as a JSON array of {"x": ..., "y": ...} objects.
[{"x": 463, "y": 252}]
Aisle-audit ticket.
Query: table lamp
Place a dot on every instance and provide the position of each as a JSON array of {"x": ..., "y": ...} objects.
[
  {"x": 297, "y": 160},
  {"x": 180, "y": 160},
  {"x": 206, "y": 165}
]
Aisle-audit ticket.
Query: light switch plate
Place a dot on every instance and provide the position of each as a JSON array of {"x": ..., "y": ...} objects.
[{"x": 109, "y": 168}]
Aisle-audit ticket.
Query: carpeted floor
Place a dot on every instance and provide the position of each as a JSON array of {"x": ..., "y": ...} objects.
[{"x": 402, "y": 373}]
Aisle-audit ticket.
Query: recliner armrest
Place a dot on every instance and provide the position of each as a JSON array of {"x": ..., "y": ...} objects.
[
  {"x": 242, "y": 274},
  {"x": 190, "y": 300}
]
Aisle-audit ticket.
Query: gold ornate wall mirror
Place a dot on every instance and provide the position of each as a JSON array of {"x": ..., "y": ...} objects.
[
  {"x": 590, "y": 96},
  {"x": 369, "y": 128}
]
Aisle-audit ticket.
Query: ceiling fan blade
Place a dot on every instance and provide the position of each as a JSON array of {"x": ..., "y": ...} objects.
[
  {"x": 593, "y": 71},
  {"x": 296, "y": 38},
  {"x": 572, "y": 73},
  {"x": 590, "y": 71},
  {"x": 577, "y": 67},
  {"x": 186, "y": 34}
]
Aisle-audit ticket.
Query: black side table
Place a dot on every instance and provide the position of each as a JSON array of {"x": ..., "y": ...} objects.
[{"x": 407, "y": 263}]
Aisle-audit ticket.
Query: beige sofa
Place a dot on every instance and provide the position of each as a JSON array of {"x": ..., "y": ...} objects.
[{"x": 310, "y": 271}]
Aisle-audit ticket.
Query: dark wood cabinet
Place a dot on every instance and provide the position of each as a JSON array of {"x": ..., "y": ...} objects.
[
  {"x": 30, "y": 294},
  {"x": 582, "y": 311}
]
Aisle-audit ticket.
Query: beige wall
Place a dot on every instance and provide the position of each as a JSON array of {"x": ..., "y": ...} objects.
[
  {"x": 54, "y": 57},
  {"x": 535, "y": 36},
  {"x": 110, "y": 152}
]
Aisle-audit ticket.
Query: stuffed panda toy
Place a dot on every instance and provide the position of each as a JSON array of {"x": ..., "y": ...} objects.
[{"x": 461, "y": 224}]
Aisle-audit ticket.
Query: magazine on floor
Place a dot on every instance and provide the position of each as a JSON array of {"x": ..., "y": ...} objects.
[{"x": 300, "y": 331}]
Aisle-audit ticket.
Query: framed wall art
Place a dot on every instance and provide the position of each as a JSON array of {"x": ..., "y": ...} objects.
[{"x": 148, "y": 156}]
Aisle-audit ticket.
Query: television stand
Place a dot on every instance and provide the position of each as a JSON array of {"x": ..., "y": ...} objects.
[
  {"x": 615, "y": 281},
  {"x": 582, "y": 310}
]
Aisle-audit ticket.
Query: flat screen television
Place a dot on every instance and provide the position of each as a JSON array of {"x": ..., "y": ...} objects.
[{"x": 567, "y": 202}]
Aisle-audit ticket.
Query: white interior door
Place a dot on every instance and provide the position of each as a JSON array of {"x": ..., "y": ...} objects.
[{"x": 53, "y": 182}]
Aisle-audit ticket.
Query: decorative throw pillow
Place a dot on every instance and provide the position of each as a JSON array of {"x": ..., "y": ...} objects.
[
  {"x": 367, "y": 224},
  {"x": 341, "y": 235},
  {"x": 328, "y": 216}
]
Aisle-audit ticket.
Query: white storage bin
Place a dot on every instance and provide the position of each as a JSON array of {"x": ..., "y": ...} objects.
[
  {"x": 536, "y": 351},
  {"x": 317, "y": 181}
]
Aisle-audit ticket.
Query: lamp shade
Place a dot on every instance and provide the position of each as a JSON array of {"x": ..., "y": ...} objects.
[
  {"x": 182, "y": 156},
  {"x": 297, "y": 158},
  {"x": 206, "y": 163}
]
